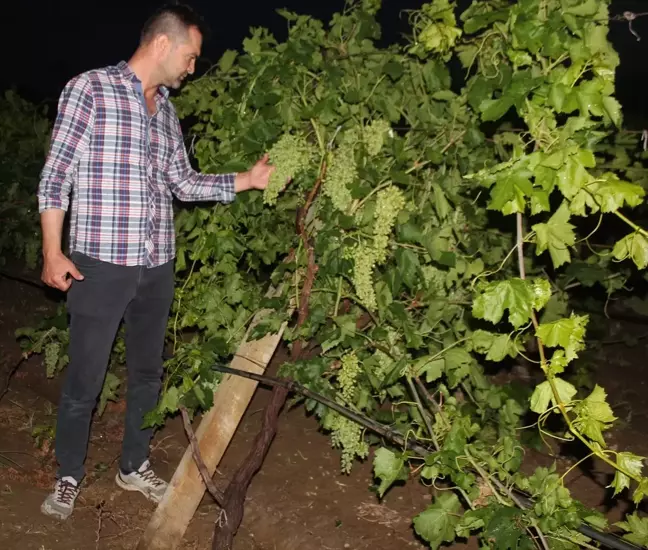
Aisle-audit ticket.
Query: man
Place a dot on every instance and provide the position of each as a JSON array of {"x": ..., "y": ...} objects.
[{"x": 117, "y": 148}]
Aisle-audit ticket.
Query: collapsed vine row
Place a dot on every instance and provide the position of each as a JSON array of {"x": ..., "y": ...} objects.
[{"x": 440, "y": 244}]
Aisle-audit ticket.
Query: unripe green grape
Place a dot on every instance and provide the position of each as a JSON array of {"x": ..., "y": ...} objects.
[
  {"x": 341, "y": 172},
  {"x": 348, "y": 374},
  {"x": 52, "y": 350},
  {"x": 389, "y": 203},
  {"x": 290, "y": 155},
  {"x": 347, "y": 435},
  {"x": 364, "y": 258},
  {"x": 374, "y": 136}
]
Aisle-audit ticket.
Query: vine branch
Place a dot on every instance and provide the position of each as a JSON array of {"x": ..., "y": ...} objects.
[{"x": 216, "y": 494}]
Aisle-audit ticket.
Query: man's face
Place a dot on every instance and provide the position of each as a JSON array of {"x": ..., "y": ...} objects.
[{"x": 180, "y": 59}]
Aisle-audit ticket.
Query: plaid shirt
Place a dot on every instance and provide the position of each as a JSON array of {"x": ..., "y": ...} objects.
[{"x": 121, "y": 167}]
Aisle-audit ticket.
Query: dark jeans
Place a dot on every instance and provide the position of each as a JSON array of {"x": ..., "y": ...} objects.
[{"x": 108, "y": 293}]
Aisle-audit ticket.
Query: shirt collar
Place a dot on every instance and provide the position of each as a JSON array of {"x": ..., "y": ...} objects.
[{"x": 128, "y": 74}]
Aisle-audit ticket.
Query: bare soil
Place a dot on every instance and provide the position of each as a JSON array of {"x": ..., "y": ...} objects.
[{"x": 299, "y": 499}]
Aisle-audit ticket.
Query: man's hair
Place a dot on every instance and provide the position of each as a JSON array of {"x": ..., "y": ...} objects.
[{"x": 173, "y": 20}]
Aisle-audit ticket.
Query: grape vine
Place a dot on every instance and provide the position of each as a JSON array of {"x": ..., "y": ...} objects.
[{"x": 454, "y": 220}]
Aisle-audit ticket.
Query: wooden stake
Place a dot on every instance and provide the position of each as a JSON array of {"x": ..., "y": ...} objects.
[{"x": 169, "y": 523}]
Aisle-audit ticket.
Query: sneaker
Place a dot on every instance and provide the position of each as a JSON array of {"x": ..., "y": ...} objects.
[
  {"x": 143, "y": 480},
  {"x": 60, "y": 503}
]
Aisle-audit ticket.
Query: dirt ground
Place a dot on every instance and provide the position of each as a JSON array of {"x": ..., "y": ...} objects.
[{"x": 299, "y": 499}]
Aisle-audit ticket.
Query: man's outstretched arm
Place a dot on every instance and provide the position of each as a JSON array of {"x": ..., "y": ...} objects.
[{"x": 189, "y": 185}]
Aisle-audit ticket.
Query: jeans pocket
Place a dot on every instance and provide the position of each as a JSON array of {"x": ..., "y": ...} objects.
[{"x": 84, "y": 262}]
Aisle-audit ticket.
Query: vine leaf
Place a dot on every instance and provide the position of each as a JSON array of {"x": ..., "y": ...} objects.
[
  {"x": 634, "y": 246},
  {"x": 108, "y": 392},
  {"x": 573, "y": 177},
  {"x": 437, "y": 523},
  {"x": 613, "y": 109},
  {"x": 471, "y": 521},
  {"x": 641, "y": 490},
  {"x": 517, "y": 295},
  {"x": 457, "y": 365},
  {"x": 227, "y": 60},
  {"x": 556, "y": 236},
  {"x": 567, "y": 333},
  {"x": 510, "y": 192},
  {"x": 636, "y": 529},
  {"x": 506, "y": 530},
  {"x": 495, "y": 346},
  {"x": 594, "y": 415},
  {"x": 631, "y": 463},
  {"x": 389, "y": 468},
  {"x": 543, "y": 394},
  {"x": 613, "y": 193}
]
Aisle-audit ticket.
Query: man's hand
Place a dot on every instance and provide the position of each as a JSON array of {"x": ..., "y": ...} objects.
[
  {"x": 256, "y": 178},
  {"x": 56, "y": 268}
]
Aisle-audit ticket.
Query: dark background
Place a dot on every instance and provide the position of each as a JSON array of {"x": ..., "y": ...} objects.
[{"x": 44, "y": 44}]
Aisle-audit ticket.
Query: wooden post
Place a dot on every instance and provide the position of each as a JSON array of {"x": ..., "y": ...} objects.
[{"x": 168, "y": 524}]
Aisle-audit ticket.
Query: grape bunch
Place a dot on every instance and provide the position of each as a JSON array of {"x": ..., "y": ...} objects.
[
  {"x": 364, "y": 259},
  {"x": 290, "y": 155},
  {"x": 347, "y": 375},
  {"x": 374, "y": 136},
  {"x": 52, "y": 351},
  {"x": 341, "y": 172},
  {"x": 347, "y": 435},
  {"x": 389, "y": 203}
]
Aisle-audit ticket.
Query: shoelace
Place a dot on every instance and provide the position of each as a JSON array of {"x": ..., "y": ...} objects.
[
  {"x": 150, "y": 477},
  {"x": 66, "y": 492}
]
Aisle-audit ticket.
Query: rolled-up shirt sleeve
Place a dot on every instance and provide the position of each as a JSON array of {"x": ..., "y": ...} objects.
[
  {"x": 189, "y": 185},
  {"x": 70, "y": 139}
]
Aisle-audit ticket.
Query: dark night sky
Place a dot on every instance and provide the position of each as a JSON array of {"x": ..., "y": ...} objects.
[{"x": 44, "y": 44}]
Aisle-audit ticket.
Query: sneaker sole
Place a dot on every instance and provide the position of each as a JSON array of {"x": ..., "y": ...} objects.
[
  {"x": 54, "y": 513},
  {"x": 130, "y": 487}
]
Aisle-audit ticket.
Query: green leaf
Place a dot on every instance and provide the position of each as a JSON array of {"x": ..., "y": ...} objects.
[
  {"x": 506, "y": 530},
  {"x": 433, "y": 370},
  {"x": 470, "y": 521},
  {"x": 408, "y": 266},
  {"x": 594, "y": 415},
  {"x": 543, "y": 394},
  {"x": 583, "y": 8},
  {"x": 437, "y": 523},
  {"x": 509, "y": 194},
  {"x": 541, "y": 397},
  {"x": 566, "y": 391},
  {"x": 517, "y": 295},
  {"x": 567, "y": 333},
  {"x": 389, "y": 468},
  {"x": 572, "y": 177},
  {"x": 170, "y": 401},
  {"x": 494, "y": 109},
  {"x": 495, "y": 346},
  {"x": 613, "y": 110},
  {"x": 541, "y": 290},
  {"x": 441, "y": 204},
  {"x": 108, "y": 391},
  {"x": 630, "y": 463},
  {"x": 634, "y": 246},
  {"x": 227, "y": 60},
  {"x": 556, "y": 235},
  {"x": 613, "y": 193},
  {"x": 457, "y": 365},
  {"x": 636, "y": 529},
  {"x": 641, "y": 491}
]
